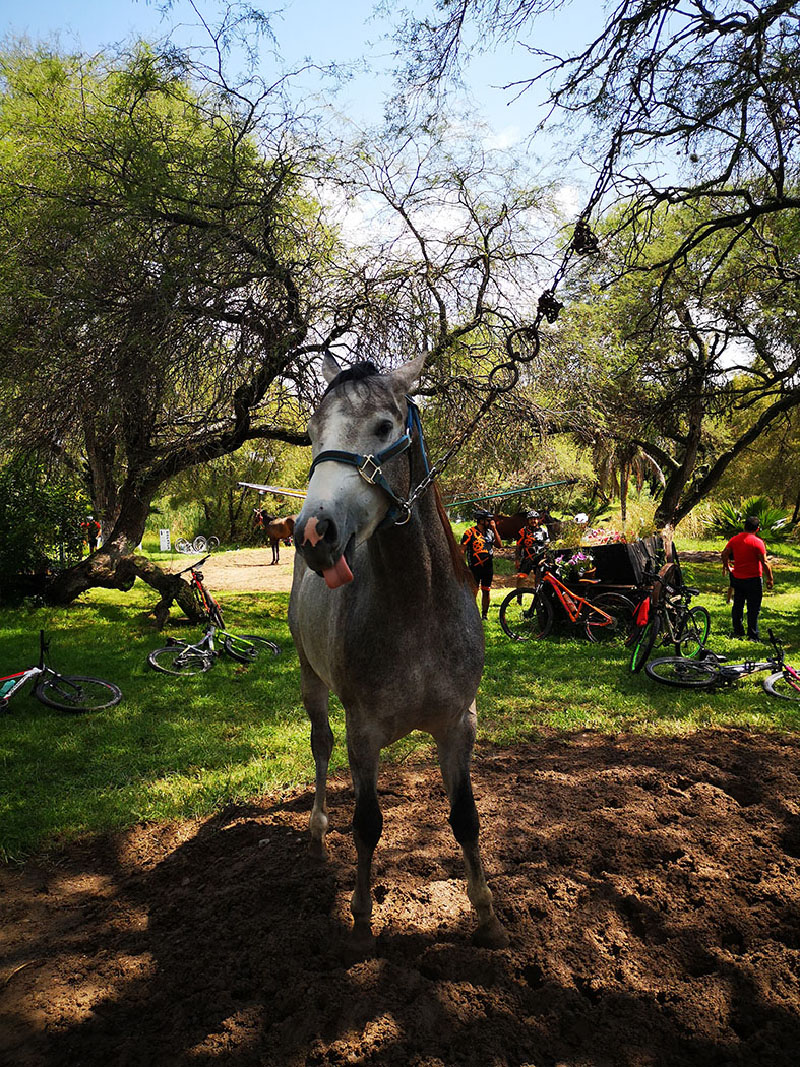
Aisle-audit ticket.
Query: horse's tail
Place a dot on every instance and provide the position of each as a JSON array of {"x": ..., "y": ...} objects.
[{"x": 460, "y": 568}]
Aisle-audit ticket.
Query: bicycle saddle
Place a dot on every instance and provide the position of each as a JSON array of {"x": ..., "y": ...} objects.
[
  {"x": 718, "y": 657},
  {"x": 691, "y": 591}
]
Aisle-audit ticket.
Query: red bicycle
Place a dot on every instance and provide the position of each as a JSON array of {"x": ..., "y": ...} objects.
[{"x": 527, "y": 614}]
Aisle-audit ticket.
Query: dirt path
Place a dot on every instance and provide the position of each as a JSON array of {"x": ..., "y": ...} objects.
[
  {"x": 651, "y": 887},
  {"x": 245, "y": 570}
]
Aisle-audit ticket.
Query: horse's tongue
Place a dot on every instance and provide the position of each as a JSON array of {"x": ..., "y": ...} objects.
[{"x": 338, "y": 574}]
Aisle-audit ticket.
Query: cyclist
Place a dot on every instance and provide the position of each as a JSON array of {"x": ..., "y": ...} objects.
[
  {"x": 745, "y": 558},
  {"x": 478, "y": 545},
  {"x": 533, "y": 537}
]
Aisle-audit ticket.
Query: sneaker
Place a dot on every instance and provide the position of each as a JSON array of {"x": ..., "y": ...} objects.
[
  {"x": 735, "y": 633},
  {"x": 484, "y": 616}
]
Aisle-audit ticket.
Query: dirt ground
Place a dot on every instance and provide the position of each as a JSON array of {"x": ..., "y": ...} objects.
[
  {"x": 246, "y": 570},
  {"x": 650, "y": 886}
]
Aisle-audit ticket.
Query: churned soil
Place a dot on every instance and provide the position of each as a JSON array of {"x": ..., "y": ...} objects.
[{"x": 650, "y": 887}]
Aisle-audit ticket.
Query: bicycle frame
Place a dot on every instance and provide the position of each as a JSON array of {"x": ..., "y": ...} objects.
[
  {"x": 12, "y": 683},
  {"x": 572, "y": 603},
  {"x": 732, "y": 672}
]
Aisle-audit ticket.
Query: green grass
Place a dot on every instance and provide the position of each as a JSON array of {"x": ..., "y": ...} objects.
[{"x": 185, "y": 747}]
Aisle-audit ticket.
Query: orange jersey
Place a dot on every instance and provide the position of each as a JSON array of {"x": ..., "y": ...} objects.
[{"x": 480, "y": 546}]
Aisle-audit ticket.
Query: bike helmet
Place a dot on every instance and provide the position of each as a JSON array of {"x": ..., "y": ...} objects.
[
  {"x": 482, "y": 513},
  {"x": 532, "y": 515}
]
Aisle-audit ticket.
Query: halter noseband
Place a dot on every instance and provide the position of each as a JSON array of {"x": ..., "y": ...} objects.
[{"x": 369, "y": 467}]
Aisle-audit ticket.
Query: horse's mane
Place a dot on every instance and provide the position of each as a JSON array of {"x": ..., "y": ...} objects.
[
  {"x": 357, "y": 373},
  {"x": 462, "y": 571}
]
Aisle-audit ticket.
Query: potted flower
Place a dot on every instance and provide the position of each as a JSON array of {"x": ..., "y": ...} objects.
[{"x": 574, "y": 567}]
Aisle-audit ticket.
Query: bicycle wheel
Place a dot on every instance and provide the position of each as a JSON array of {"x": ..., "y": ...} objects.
[
  {"x": 620, "y": 609},
  {"x": 693, "y": 633},
  {"x": 213, "y": 542},
  {"x": 644, "y": 643},
  {"x": 77, "y": 693},
  {"x": 783, "y": 685},
  {"x": 180, "y": 659},
  {"x": 683, "y": 673},
  {"x": 181, "y": 545},
  {"x": 246, "y": 647},
  {"x": 526, "y": 614},
  {"x": 199, "y": 544}
]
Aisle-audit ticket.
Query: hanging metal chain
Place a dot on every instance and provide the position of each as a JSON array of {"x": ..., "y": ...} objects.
[{"x": 584, "y": 242}]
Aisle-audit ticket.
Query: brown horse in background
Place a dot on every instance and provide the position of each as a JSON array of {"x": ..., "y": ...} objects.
[
  {"x": 510, "y": 526},
  {"x": 279, "y": 530}
]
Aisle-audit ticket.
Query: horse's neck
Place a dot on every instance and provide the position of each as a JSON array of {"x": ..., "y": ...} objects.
[{"x": 415, "y": 559}]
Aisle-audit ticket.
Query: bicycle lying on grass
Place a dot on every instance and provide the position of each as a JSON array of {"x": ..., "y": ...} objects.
[
  {"x": 200, "y": 544},
  {"x": 182, "y": 657},
  {"x": 670, "y": 620},
  {"x": 528, "y": 613},
  {"x": 64, "y": 692},
  {"x": 713, "y": 671}
]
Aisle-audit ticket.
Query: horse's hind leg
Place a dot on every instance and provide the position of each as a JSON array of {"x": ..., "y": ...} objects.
[
  {"x": 367, "y": 826},
  {"x": 455, "y": 750},
  {"x": 315, "y": 698}
]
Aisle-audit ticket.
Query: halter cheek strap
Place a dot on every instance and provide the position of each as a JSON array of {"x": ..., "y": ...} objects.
[{"x": 369, "y": 466}]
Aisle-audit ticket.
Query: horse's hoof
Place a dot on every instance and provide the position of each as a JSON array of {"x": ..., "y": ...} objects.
[
  {"x": 491, "y": 934},
  {"x": 317, "y": 849},
  {"x": 361, "y": 944}
]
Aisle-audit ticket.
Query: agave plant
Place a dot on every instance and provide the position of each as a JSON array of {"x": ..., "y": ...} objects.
[{"x": 728, "y": 518}]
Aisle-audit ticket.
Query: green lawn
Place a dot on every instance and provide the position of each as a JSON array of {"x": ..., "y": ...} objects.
[{"x": 187, "y": 746}]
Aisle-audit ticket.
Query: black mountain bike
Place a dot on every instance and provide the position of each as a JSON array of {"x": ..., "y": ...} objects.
[
  {"x": 183, "y": 657},
  {"x": 713, "y": 671},
  {"x": 61, "y": 691},
  {"x": 670, "y": 621}
]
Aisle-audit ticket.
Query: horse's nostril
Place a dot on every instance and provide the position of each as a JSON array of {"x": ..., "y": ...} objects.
[{"x": 328, "y": 530}]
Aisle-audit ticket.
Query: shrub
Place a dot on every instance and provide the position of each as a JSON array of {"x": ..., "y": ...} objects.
[
  {"x": 728, "y": 518},
  {"x": 40, "y": 518}
]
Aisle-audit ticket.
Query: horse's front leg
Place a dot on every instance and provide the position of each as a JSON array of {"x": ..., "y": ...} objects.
[
  {"x": 315, "y": 698},
  {"x": 363, "y": 754},
  {"x": 455, "y": 751}
]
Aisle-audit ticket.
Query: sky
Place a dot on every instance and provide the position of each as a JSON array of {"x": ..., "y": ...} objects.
[{"x": 342, "y": 31}]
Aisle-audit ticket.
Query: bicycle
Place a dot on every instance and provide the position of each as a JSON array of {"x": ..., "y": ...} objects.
[
  {"x": 183, "y": 657},
  {"x": 528, "y": 613},
  {"x": 713, "y": 671},
  {"x": 64, "y": 692},
  {"x": 200, "y": 544},
  {"x": 669, "y": 619}
]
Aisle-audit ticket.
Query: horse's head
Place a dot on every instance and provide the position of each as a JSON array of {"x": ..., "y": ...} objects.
[{"x": 363, "y": 413}]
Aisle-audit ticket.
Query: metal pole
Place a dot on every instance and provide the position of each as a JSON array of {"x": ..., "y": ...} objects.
[{"x": 511, "y": 492}]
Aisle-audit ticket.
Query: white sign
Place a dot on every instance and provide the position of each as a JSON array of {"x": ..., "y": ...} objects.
[{"x": 165, "y": 541}]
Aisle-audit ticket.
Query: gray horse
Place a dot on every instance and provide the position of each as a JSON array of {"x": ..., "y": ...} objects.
[{"x": 384, "y": 615}]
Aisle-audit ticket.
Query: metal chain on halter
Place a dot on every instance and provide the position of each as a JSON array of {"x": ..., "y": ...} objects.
[{"x": 584, "y": 242}]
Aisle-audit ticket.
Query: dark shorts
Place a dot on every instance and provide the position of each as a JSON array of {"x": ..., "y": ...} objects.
[
  {"x": 526, "y": 566},
  {"x": 483, "y": 573}
]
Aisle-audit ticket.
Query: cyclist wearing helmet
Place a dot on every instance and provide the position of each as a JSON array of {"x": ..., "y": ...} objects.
[
  {"x": 532, "y": 539},
  {"x": 478, "y": 545}
]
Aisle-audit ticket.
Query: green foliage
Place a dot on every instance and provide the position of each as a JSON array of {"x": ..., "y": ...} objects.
[
  {"x": 728, "y": 518},
  {"x": 41, "y": 513}
]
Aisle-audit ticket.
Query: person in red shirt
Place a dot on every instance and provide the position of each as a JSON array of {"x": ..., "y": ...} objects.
[{"x": 745, "y": 559}]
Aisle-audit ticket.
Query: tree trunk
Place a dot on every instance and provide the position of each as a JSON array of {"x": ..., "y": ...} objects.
[
  {"x": 173, "y": 589},
  {"x": 111, "y": 565}
]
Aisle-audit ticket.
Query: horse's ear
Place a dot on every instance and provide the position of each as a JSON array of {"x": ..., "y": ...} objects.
[
  {"x": 330, "y": 368},
  {"x": 408, "y": 375}
]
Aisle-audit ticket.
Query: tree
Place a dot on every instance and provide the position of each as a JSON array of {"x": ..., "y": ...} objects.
[
  {"x": 691, "y": 371},
  {"x": 693, "y": 102},
  {"x": 171, "y": 273}
]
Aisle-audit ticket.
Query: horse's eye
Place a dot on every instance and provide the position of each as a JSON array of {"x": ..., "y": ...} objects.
[{"x": 383, "y": 429}]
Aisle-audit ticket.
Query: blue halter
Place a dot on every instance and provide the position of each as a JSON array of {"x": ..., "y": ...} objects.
[{"x": 369, "y": 467}]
